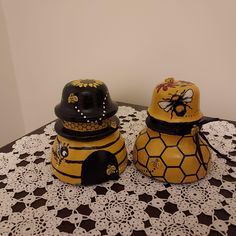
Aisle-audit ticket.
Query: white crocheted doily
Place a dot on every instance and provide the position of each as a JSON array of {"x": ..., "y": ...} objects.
[{"x": 33, "y": 202}]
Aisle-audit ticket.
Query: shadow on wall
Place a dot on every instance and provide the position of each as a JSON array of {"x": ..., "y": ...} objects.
[{"x": 11, "y": 125}]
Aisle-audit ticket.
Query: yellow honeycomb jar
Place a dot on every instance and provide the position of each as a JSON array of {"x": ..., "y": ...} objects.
[
  {"x": 170, "y": 158},
  {"x": 170, "y": 148}
]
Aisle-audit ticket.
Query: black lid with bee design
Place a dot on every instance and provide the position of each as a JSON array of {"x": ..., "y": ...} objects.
[{"x": 85, "y": 101}]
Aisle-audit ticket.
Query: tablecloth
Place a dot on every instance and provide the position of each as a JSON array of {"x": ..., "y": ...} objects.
[{"x": 34, "y": 202}]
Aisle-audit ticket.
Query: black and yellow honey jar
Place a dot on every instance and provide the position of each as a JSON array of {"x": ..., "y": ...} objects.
[
  {"x": 89, "y": 148},
  {"x": 172, "y": 148}
]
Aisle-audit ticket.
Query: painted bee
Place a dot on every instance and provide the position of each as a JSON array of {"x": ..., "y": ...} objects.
[
  {"x": 177, "y": 103},
  {"x": 111, "y": 169},
  {"x": 61, "y": 152},
  {"x": 73, "y": 98}
]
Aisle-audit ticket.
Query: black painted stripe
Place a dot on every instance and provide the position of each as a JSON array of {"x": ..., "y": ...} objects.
[
  {"x": 123, "y": 159},
  {"x": 119, "y": 149},
  {"x": 96, "y": 147},
  {"x": 71, "y": 176},
  {"x": 81, "y": 162},
  {"x": 74, "y": 161}
]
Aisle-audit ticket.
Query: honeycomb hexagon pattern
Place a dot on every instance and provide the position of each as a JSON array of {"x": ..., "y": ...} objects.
[{"x": 170, "y": 158}]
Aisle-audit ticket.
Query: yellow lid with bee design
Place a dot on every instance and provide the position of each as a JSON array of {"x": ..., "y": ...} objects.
[{"x": 175, "y": 101}]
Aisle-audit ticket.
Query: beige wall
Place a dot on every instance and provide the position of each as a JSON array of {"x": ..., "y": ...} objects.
[
  {"x": 131, "y": 45},
  {"x": 11, "y": 125}
]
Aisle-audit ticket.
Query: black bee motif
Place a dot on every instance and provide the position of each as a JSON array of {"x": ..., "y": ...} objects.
[{"x": 177, "y": 103}]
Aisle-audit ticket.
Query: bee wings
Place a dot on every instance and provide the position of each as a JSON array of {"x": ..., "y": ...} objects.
[
  {"x": 58, "y": 148},
  {"x": 165, "y": 105},
  {"x": 187, "y": 97}
]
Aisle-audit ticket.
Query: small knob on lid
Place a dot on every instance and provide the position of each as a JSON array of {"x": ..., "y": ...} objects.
[{"x": 170, "y": 80}]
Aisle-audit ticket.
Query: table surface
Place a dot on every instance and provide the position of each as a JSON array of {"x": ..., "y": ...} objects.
[{"x": 34, "y": 202}]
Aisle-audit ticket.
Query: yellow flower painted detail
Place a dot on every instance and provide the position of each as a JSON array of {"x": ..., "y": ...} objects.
[{"x": 86, "y": 83}]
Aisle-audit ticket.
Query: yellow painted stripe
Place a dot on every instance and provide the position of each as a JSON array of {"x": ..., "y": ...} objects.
[
  {"x": 65, "y": 178},
  {"x": 89, "y": 144},
  {"x": 55, "y": 167},
  {"x": 123, "y": 165},
  {"x": 96, "y": 147},
  {"x": 121, "y": 156},
  {"x": 67, "y": 169}
]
